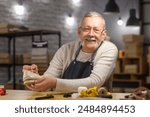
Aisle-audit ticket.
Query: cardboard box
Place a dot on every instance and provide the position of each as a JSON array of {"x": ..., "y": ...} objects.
[
  {"x": 133, "y": 54},
  {"x": 133, "y": 38},
  {"x": 133, "y": 51},
  {"x": 134, "y": 45},
  {"x": 131, "y": 69}
]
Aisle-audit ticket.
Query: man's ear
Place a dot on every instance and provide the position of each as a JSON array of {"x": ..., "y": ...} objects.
[{"x": 104, "y": 34}]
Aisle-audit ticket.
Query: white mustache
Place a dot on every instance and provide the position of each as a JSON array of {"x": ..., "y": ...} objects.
[{"x": 90, "y": 39}]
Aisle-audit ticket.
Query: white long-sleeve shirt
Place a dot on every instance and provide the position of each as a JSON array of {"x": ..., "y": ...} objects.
[{"x": 103, "y": 65}]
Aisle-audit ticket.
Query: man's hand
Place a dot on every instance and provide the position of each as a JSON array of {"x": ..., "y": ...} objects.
[
  {"x": 43, "y": 84},
  {"x": 30, "y": 77},
  {"x": 32, "y": 68}
]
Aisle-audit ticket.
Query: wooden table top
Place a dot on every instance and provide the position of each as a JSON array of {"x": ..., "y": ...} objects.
[{"x": 31, "y": 95}]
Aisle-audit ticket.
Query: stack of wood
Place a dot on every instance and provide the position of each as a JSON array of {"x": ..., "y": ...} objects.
[{"x": 5, "y": 28}]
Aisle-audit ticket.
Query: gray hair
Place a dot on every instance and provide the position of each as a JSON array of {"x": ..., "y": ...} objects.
[{"x": 91, "y": 14}]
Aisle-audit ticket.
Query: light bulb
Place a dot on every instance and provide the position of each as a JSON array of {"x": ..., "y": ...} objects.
[
  {"x": 76, "y": 1},
  {"x": 70, "y": 20},
  {"x": 119, "y": 22},
  {"x": 19, "y": 9}
]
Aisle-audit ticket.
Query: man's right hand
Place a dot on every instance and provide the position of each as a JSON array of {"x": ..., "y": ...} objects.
[{"x": 32, "y": 68}]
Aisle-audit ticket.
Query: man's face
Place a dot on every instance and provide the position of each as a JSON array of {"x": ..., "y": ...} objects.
[{"x": 91, "y": 33}]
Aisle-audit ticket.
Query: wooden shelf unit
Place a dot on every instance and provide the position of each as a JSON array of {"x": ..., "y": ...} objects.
[
  {"x": 12, "y": 36},
  {"x": 130, "y": 72}
]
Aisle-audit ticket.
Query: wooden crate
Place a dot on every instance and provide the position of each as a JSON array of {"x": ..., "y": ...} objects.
[
  {"x": 132, "y": 38},
  {"x": 132, "y": 69},
  {"x": 139, "y": 61}
]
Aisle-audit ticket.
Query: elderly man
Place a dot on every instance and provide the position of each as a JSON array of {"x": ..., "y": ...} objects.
[{"x": 87, "y": 62}]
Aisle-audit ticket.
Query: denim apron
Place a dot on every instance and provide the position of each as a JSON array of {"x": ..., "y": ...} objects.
[{"x": 78, "y": 69}]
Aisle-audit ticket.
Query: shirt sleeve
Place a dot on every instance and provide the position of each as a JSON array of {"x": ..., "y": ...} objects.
[{"x": 56, "y": 65}]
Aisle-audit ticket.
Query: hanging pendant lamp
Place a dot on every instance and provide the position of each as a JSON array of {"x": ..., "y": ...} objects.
[
  {"x": 133, "y": 21},
  {"x": 111, "y": 7}
]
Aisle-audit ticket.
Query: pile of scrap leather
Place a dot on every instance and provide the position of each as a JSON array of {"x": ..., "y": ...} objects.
[{"x": 141, "y": 93}]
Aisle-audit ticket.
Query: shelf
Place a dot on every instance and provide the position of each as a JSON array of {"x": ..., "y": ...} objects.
[
  {"x": 131, "y": 65},
  {"x": 130, "y": 72},
  {"x": 127, "y": 83},
  {"x": 12, "y": 36}
]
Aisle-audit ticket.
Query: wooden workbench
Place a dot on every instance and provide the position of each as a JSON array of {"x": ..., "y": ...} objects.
[{"x": 31, "y": 95}]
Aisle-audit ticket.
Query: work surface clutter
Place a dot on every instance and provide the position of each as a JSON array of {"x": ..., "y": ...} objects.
[{"x": 140, "y": 93}]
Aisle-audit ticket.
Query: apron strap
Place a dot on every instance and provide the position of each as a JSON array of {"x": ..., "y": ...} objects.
[
  {"x": 77, "y": 52},
  {"x": 93, "y": 55}
]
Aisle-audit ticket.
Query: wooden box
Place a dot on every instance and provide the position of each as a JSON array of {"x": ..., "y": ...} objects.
[
  {"x": 131, "y": 69},
  {"x": 133, "y": 38}
]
